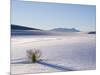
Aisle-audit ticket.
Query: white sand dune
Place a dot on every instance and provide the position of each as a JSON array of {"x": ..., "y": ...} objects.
[{"x": 68, "y": 52}]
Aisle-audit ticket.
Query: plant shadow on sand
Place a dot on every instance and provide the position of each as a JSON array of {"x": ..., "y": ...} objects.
[{"x": 41, "y": 62}]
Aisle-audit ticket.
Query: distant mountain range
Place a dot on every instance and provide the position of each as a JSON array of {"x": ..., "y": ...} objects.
[
  {"x": 65, "y": 30},
  {"x": 18, "y": 27},
  {"x": 92, "y": 32},
  {"x": 23, "y": 30}
]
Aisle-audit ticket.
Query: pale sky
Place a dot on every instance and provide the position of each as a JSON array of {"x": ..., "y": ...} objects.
[{"x": 53, "y": 15}]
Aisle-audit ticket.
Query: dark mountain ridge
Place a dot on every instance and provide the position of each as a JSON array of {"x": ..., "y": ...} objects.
[
  {"x": 65, "y": 30},
  {"x": 18, "y": 27},
  {"x": 92, "y": 32}
]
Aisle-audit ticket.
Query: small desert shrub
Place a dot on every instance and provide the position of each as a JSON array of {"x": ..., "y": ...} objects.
[{"x": 34, "y": 55}]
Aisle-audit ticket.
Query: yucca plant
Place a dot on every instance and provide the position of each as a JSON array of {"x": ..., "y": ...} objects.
[{"x": 34, "y": 55}]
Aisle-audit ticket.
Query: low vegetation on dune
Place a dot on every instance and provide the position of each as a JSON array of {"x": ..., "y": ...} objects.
[{"x": 34, "y": 55}]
